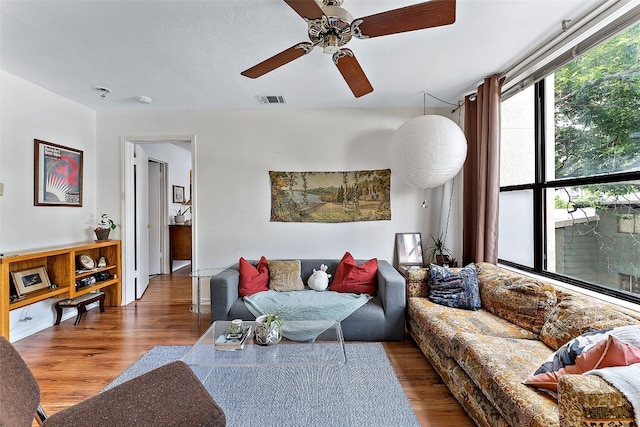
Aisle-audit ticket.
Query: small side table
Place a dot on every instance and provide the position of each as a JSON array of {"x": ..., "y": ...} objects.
[
  {"x": 80, "y": 303},
  {"x": 200, "y": 275}
]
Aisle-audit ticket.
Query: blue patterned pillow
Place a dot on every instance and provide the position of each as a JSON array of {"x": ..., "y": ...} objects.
[{"x": 457, "y": 290}]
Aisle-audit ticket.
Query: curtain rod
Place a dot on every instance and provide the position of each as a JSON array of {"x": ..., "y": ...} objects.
[{"x": 599, "y": 18}]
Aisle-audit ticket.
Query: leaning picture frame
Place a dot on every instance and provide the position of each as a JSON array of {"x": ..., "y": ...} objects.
[
  {"x": 409, "y": 249},
  {"x": 178, "y": 194},
  {"x": 30, "y": 280},
  {"x": 57, "y": 175}
]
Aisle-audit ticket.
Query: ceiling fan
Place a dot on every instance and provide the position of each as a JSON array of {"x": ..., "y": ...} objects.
[{"x": 331, "y": 27}]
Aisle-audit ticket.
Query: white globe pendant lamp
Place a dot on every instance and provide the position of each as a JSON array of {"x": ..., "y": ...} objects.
[{"x": 427, "y": 151}]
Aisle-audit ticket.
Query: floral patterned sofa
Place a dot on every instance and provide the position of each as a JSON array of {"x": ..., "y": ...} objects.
[{"x": 484, "y": 356}]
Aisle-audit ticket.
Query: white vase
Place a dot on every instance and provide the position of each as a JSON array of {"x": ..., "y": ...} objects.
[{"x": 179, "y": 219}]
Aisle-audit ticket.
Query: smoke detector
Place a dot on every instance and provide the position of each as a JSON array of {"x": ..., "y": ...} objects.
[
  {"x": 143, "y": 99},
  {"x": 103, "y": 91}
]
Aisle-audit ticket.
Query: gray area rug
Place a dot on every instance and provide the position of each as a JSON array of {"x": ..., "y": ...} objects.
[{"x": 364, "y": 393}]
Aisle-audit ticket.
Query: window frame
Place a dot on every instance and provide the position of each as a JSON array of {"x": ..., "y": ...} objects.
[{"x": 539, "y": 186}]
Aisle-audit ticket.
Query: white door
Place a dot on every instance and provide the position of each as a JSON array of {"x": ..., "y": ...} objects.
[
  {"x": 155, "y": 217},
  {"x": 142, "y": 220}
]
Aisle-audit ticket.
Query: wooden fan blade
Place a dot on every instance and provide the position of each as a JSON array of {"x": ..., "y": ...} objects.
[
  {"x": 352, "y": 72},
  {"x": 307, "y": 9},
  {"x": 282, "y": 58},
  {"x": 430, "y": 14}
]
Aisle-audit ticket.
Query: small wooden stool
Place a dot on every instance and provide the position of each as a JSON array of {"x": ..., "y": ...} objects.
[{"x": 80, "y": 303}]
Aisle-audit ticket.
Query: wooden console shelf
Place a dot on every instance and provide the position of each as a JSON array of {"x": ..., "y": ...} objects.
[{"x": 61, "y": 265}]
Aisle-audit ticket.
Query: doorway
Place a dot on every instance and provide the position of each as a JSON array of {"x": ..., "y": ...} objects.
[{"x": 145, "y": 231}]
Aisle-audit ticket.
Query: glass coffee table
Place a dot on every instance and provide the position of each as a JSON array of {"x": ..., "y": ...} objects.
[
  {"x": 326, "y": 348},
  {"x": 289, "y": 383}
]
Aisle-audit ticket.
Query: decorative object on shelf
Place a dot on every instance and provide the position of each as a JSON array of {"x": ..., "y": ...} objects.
[
  {"x": 346, "y": 196},
  {"x": 86, "y": 262},
  {"x": 85, "y": 282},
  {"x": 57, "y": 175},
  {"x": 268, "y": 329},
  {"x": 180, "y": 218},
  {"x": 104, "y": 227},
  {"x": 178, "y": 194},
  {"x": 102, "y": 262},
  {"x": 30, "y": 280},
  {"x": 102, "y": 276},
  {"x": 187, "y": 205},
  {"x": 102, "y": 234}
]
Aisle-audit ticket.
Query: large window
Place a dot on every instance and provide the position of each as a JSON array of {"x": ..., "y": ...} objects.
[{"x": 570, "y": 171}]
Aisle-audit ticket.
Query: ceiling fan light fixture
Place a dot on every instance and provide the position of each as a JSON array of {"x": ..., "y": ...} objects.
[{"x": 331, "y": 44}]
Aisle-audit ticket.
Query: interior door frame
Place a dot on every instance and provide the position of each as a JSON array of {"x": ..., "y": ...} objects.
[
  {"x": 164, "y": 214},
  {"x": 128, "y": 230}
]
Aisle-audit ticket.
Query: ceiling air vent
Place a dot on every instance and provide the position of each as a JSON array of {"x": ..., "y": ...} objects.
[{"x": 272, "y": 99}]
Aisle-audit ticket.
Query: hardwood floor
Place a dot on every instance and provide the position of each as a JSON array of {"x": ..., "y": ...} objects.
[{"x": 72, "y": 363}]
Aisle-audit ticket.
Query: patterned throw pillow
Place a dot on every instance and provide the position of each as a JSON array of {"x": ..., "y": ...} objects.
[
  {"x": 285, "y": 276},
  {"x": 575, "y": 315},
  {"x": 592, "y": 350},
  {"x": 457, "y": 290},
  {"x": 515, "y": 297}
]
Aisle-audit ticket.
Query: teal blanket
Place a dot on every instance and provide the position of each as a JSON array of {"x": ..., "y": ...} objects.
[{"x": 306, "y": 305}]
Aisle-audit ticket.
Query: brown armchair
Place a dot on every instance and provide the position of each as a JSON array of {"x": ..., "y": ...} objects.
[{"x": 167, "y": 396}]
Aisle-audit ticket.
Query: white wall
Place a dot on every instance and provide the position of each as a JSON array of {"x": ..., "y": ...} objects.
[
  {"x": 178, "y": 162},
  {"x": 233, "y": 153},
  {"x": 29, "y": 112}
]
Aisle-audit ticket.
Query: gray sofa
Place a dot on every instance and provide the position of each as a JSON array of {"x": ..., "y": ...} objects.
[{"x": 381, "y": 319}]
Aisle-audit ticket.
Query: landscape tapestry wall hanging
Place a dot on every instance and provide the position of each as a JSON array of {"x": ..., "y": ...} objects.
[{"x": 331, "y": 196}]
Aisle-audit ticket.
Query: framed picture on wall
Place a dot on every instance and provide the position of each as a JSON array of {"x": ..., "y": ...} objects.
[
  {"x": 178, "y": 194},
  {"x": 57, "y": 175}
]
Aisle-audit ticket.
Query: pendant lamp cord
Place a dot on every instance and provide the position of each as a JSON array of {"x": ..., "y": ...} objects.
[
  {"x": 446, "y": 228},
  {"x": 424, "y": 103}
]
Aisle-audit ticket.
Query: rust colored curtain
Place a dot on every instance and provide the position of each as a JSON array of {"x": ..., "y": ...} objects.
[{"x": 482, "y": 173}]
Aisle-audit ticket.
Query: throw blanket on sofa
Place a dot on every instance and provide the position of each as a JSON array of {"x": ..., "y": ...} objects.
[
  {"x": 627, "y": 380},
  {"x": 306, "y": 305}
]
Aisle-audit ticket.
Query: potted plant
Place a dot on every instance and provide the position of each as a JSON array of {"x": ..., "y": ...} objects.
[
  {"x": 104, "y": 227},
  {"x": 179, "y": 217},
  {"x": 268, "y": 329},
  {"x": 439, "y": 252}
]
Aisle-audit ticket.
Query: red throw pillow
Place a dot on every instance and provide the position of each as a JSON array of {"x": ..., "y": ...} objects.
[
  {"x": 353, "y": 278},
  {"x": 252, "y": 279}
]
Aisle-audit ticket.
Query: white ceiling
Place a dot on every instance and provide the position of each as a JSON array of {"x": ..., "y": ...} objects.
[{"x": 189, "y": 54}]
